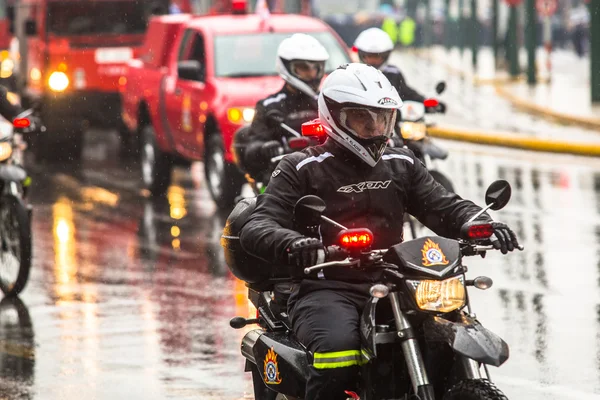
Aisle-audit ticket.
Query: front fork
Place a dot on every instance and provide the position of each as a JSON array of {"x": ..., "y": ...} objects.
[{"x": 412, "y": 354}]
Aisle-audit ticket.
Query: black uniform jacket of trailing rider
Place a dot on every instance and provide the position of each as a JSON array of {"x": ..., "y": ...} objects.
[
  {"x": 296, "y": 107},
  {"x": 356, "y": 195}
]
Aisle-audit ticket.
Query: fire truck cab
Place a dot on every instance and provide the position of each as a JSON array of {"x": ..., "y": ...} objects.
[{"x": 72, "y": 54}]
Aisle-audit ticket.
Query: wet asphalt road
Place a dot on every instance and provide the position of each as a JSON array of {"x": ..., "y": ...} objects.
[{"x": 130, "y": 298}]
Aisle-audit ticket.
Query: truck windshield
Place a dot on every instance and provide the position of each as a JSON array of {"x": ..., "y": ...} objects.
[
  {"x": 73, "y": 18},
  {"x": 255, "y": 54}
]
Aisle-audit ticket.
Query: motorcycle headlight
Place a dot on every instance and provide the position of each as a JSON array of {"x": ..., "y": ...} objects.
[
  {"x": 441, "y": 296},
  {"x": 413, "y": 130},
  {"x": 6, "y": 68},
  {"x": 5, "y": 150}
]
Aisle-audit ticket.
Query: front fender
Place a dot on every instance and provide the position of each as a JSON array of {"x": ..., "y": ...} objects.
[
  {"x": 468, "y": 338},
  {"x": 12, "y": 173}
]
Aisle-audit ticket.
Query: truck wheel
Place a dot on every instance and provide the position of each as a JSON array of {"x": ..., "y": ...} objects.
[
  {"x": 224, "y": 179},
  {"x": 155, "y": 164},
  {"x": 474, "y": 389}
]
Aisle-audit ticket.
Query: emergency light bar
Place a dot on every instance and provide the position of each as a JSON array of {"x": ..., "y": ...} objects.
[
  {"x": 21, "y": 123},
  {"x": 355, "y": 239},
  {"x": 430, "y": 103}
]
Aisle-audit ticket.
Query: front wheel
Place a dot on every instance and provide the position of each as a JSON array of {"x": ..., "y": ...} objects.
[
  {"x": 474, "y": 389},
  {"x": 15, "y": 253}
]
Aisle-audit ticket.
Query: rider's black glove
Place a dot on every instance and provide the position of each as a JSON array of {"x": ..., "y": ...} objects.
[
  {"x": 304, "y": 252},
  {"x": 441, "y": 108},
  {"x": 504, "y": 238},
  {"x": 274, "y": 118},
  {"x": 271, "y": 149}
]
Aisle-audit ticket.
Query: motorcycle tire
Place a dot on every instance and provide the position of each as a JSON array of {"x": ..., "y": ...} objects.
[
  {"x": 474, "y": 389},
  {"x": 442, "y": 180},
  {"x": 12, "y": 207}
]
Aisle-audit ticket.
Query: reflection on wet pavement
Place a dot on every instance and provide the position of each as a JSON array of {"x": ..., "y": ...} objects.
[
  {"x": 544, "y": 301},
  {"x": 131, "y": 296}
]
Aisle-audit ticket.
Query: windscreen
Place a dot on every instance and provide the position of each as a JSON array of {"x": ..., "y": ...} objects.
[
  {"x": 255, "y": 54},
  {"x": 73, "y": 18}
]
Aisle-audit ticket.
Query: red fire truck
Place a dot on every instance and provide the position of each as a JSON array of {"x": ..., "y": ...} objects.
[{"x": 73, "y": 53}]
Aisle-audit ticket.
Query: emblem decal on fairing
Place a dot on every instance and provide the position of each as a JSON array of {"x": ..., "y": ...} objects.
[
  {"x": 271, "y": 368},
  {"x": 433, "y": 254}
]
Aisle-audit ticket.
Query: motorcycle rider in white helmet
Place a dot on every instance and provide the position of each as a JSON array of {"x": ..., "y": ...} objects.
[
  {"x": 301, "y": 63},
  {"x": 374, "y": 47},
  {"x": 364, "y": 184}
]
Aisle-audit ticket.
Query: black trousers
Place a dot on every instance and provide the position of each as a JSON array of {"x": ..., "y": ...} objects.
[{"x": 327, "y": 322}]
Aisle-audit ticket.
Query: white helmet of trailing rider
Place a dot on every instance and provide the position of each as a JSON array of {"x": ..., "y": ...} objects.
[
  {"x": 301, "y": 62},
  {"x": 357, "y": 108},
  {"x": 374, "y": 41}
]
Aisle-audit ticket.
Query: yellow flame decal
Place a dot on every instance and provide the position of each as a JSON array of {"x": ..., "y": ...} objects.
[
  {"x": 271, "y": 368},
  {"x": 432, "y": 254}
]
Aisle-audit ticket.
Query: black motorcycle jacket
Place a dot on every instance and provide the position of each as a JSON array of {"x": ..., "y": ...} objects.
[
  {"x": 357, "y": 196},
  {"x": 295, "y": 107},
  {"x": 397, "y": 80}
]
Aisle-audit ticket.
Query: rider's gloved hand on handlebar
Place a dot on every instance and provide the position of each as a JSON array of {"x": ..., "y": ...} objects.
[
  {"x": 504, "y": 239},
  {"x": 440, "y": 108},
  {"x": 271, "y": 149},
  {"x": 304, "y": 252},
  {"x": 275, "y": 118}
]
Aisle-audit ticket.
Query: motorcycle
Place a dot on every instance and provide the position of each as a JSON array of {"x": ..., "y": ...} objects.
[
  {"x": 419, "y": 335},
  {"x": 259, "y": 178},
  {"x": 15, "y": 212},
  {"x": 413, "y": 129}
]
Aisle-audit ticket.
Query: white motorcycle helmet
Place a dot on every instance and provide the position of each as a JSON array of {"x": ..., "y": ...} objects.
[
  {"x": 374, "y": 41},
  {"x": 298, "y": 53},
  {"x": 357, "y": 108}
]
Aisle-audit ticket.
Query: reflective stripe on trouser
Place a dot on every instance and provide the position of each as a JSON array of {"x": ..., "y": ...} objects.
[{"x": 340, "y": 359}]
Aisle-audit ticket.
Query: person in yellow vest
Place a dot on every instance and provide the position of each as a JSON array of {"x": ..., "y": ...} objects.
[
  {"x": 389, "y": 26},
  {"x": 406, "y": 33}
]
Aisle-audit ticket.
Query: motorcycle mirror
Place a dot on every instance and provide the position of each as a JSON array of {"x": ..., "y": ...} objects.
[
  {"x": 308, "y": 210},
  {"x": 498, "y": 195},
  {"x": 440, "y": 87}
]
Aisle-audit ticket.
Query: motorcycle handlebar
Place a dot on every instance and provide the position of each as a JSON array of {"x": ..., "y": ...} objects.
[{"x": 336, "y": 256}]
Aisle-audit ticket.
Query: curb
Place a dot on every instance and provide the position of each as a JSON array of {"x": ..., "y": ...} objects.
[
  {"x": 516, "y": 101},
  {"x": 532, "y": 108},
  {"x": 516, "y": 142}
]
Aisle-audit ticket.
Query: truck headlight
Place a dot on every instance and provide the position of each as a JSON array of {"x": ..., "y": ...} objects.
[
  {"x": 442, "y": 296},
  {"x": 238, "y": 115},
  {"x": 58, "y": 81},
  {"x": 5, "y": 150}
]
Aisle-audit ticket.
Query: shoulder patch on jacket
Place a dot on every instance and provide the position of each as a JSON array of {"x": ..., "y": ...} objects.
[
  {"x": 308, "y": 160},
  {"x": 275, "y": 99}
]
